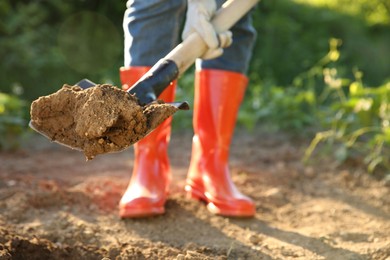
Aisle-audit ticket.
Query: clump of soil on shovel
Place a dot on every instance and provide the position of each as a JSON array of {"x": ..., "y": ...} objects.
[{"x": 97, "y": 120}]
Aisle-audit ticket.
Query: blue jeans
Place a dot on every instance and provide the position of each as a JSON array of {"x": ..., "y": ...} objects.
[{"x": 152, "y": 30}]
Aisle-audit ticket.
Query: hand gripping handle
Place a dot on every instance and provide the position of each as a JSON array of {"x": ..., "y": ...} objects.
[{"x": 175, "y": 63}]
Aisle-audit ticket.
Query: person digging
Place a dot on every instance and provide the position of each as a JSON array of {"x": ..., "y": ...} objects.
[{"x": 220, "y": 83}]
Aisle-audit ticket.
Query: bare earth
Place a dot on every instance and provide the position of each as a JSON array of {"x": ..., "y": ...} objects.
[{"x": 55, "y": 205}]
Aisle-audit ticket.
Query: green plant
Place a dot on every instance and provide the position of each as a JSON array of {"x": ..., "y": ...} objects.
[
  {"x": 359, "y": 124},
  {"x": 280, "y": 108},
  {"x": 293, "y": 107},
  {"x": 12, "y": 122},
  {"x": 292, "y": 35},
  {"x": 356, "y": 118}
]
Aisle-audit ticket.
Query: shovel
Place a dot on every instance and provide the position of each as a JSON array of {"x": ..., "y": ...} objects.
[{"x": 154, "y": 82}]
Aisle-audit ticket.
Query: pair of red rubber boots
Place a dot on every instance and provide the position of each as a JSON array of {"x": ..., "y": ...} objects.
[{"x": 218, "y": 95}]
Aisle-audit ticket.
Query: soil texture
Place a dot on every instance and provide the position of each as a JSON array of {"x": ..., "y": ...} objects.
[
  {"x": 97, "y": 120},
  {"x": 54, "y": 205}
]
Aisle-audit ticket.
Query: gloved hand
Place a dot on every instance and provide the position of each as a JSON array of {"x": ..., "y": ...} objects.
[{"x": 199, "y": 14}]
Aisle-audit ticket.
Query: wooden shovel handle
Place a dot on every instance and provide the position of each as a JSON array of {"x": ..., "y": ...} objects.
[{"x": 193, "y": 47}]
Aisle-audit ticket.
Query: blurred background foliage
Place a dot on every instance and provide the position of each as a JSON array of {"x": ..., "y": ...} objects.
[{"x": 317, "y": 64}]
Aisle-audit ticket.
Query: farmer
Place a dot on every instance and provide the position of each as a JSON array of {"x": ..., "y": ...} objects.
[{"x": 152, "y": 29}]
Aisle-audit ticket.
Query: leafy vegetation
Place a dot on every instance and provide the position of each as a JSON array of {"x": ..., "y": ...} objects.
[
  {"x": 12, "y": 122},
  {"x": 358, "y": 122},
  {"x": 373, "y": 12},
  {"x": 356, "y": 118}
]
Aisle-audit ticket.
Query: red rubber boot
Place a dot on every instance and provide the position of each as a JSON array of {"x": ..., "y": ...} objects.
[
  {"x": 218, "y": 95},
  {"x": 148, "y": 187}
]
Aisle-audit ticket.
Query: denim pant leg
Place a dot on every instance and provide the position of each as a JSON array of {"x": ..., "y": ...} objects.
[
  {"x": 151, "y": 30},
  {"x": 237, "y": 56}
]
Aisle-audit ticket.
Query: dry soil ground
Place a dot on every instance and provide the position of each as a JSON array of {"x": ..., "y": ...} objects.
[{"x": 54, "y": 205}]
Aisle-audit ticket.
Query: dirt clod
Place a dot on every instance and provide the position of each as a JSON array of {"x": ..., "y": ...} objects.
[{"x": 97, "y": 120}]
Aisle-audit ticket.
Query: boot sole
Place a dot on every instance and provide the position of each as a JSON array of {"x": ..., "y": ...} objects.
[
  {"x": 141, "y": 212},
  {"x": 196, "y": 194}
]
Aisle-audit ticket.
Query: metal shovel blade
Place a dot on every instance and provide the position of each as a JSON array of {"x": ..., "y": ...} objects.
[{"x": 31, "y": 125}]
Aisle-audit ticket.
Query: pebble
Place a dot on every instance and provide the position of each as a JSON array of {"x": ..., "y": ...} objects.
[
  {"x": 180, "y": 257},
  {"x": 254, "y": 239},
  {"x": 273, "y": 192},
  {"x": 11, "y": 183}
]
